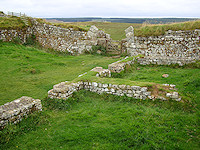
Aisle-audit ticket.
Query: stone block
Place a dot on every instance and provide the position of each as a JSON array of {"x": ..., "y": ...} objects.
[
  {"x": 174, "y": 95},
  {"x": 122, "y": 87},
  {"x": 105, "y": 85},
  {"x": 94, "y": 84}
]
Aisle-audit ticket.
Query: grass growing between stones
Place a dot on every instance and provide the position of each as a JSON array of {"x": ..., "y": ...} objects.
[
  {"x": 32, "y": 72},
  {"x": 92, "y": 121}
]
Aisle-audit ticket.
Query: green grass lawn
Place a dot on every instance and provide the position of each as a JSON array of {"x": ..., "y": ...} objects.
[
  {"x": 92, "y": 121},
  {"x": 186, "y": 79},
  {"x": 32, "y": 72}
]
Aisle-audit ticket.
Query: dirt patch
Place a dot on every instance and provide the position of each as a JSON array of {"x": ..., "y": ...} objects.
[{"x": 159, "y": 90}]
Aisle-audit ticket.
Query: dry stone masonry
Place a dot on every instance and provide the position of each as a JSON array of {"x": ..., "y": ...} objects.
[
  {"x": 14, "y": 111},
  {"x": 119, "y": 66},
  {"x": 180, "y": 47},
  {"x": 175, "y": 47},
  {"x": 165, "y": 60},
  {"x": 57, "y": 38},
  {"x": 102, "y": 72},
  {"x": 64, "y": 90}
]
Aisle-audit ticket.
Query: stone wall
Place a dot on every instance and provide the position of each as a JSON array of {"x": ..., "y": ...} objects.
[
  {"x": 7, "y": 35},
  {"x": 119, "y": 66},
  {"x": 57, "y": 38},
  {"x": 14, "y": 111},
  {"x": 172, "y": 44},
  {"x": 64, "y": 90},
  {"x": 165, "y": 60},
  {"x": 180, "y": 47}
]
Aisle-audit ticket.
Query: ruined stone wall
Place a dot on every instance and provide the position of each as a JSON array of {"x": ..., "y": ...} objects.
[
  {"x": 61, "y": 39},
  {"x": 8, "y": 35},
  {"x": 181, "y": 45},
  {"x": 14, "y": 111},
  {"x": 57, "y": 38},
  {"x": 65, "y": 90},
  {"x": 172, "y": 44},
  {"x": 161, "y": 60}
]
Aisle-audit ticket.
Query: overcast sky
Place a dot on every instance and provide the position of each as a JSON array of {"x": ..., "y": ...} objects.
[{"x": 103, "y": 8}]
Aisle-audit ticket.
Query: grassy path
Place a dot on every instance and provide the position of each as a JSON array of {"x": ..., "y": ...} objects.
[{"x": 32, "y": 72}]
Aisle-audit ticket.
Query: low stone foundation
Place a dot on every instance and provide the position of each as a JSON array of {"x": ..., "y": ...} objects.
[
  {"x": 14, "y": 111},
  {"x": 119, "y": 66},
  {"x": 165, "y": 60},
  {"x": 102, "y": 72},
  {"x": 64, "y": 90}
]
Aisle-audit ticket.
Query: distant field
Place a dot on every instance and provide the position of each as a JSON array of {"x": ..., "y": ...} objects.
[
  {"x": 116, "y": 30},
  {"x": 125, "y": 20}
]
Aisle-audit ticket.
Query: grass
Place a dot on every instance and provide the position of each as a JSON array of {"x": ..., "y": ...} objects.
[
  {"x": 108, "y": 122},
  {"x": 11, "y": 23},
  {"x": 32, "y": 72},
  {"x": 90, "y": 76},
  {"x": 116, "y": 30},
  {"x": 157, "y": 30},
  {"x": 63, "y": 25},
  {"x": 187, "y": 80},
  {"x": 92, "y": 121}
]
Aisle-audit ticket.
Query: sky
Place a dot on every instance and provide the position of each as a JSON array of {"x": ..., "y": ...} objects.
[{"x": 103, "y": 8}]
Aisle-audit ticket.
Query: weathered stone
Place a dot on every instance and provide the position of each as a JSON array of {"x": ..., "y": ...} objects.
[
  {"x": 94, "y": 84},
  {"x": 122, "y": 87},
  {"x": 165, "y": 75},
  {"x": 174, "y": 95},
  {"x": 168, "y": 95},
  {"x": 105, "y": 85},
  {"x": 14, "y": 111},
  {"x": 129, "y": 29}
]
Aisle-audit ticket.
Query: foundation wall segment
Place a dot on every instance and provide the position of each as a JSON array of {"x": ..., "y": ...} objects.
[
  {"x": 13, "y": 112},
  {"x": 64, "y": 90}
]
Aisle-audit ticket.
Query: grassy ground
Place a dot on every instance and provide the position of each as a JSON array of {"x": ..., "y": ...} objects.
[
  {"x": 11, "y": 23},
  {"x": 32, "y": 72},
  {"x": 92, "y": 121},
  {"x": 116, "y": 30},
  {"x": 156, "y": 30},
  {"x": 186, "y": 79}
]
